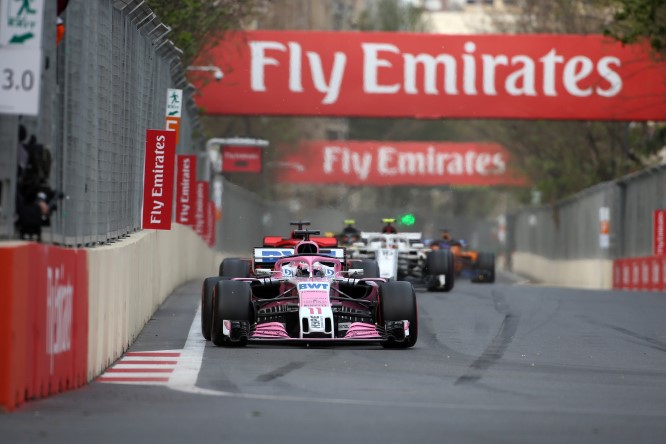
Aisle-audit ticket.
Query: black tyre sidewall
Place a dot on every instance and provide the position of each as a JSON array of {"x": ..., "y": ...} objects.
[
  {"x": 451, "y": 273},
  {"x": 235, "y": 268},
  {"x": 397, "y": 302},
  {"x": 370, "y": 268},
  {"x": 486, "y": 261},
  {"x": 440, "y": 262},
  {"x": 207, "y": 290},
  {"x": 231, "y": 301}
]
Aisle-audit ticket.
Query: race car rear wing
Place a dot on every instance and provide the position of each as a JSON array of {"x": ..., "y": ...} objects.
[
  {"x": 412, "y": 237},
  {"x": 268, "y": 256}
]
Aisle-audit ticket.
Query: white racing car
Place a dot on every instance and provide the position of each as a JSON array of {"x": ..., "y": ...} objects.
[{"x": 404, "y": 255}]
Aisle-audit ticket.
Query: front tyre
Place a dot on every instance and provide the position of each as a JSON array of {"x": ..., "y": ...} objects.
[
  {"x": 397, "y": 303},
  {"x": 439, "y": 263},
  {"x": 231, "y": 313},
  {"x": 207, "y": 290},
  {"x": 485, "y": 268}
]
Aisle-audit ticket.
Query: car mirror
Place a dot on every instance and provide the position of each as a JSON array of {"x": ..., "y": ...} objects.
[
  {"x": 418, "y": 245},
  {"x": 355, "y": 272},
  {"x": 358, "y": 244},
  {"x": 263, "y": 272}
]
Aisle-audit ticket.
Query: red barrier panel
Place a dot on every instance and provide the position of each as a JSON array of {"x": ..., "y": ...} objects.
[
  {"x": 640, "y": 273},
  {"x": 662, "y": 284},
  {"x": 617, "y": 274},
  {"x": 15, "y": 369},
  {"x": 43, "y": 321}
]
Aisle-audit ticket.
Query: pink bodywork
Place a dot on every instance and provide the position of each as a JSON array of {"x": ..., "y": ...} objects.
[{"x": 316, "y": 300}]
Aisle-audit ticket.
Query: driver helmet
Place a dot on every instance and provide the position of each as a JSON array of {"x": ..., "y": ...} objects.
[
  {"x": 318, "y": 270},
  {"x": 446, "y": 235},
  {"x": 302, "y": 270}
]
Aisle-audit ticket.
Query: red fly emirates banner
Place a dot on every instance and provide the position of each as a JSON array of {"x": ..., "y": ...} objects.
[
  {"x": 435, "y": 76},
  {"x": 185, "y": 189},
  {"x": 241, "y": 159},
  {"x": 659, "y": 233},
  {"x": 201, "y": 208},
  {"x": 398, "y": 163},
  {"x": 209, "y": 236},
  {"x": 158, "y": 179}
]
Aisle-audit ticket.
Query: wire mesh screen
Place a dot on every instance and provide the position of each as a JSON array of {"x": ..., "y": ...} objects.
[
  {"x": 114, "y": 68},
  {"x": 574, "y": 228},
  {"x": 641, "y": 194},
  {"x": 246, "y": 219}
]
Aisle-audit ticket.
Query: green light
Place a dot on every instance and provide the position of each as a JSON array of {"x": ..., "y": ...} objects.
[{"x": 407, "y": 219}]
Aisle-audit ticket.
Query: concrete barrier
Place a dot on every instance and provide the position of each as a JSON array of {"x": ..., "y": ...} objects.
[
  {"x": 581, "y": 273},
  {"x": 131, "y": 278}
]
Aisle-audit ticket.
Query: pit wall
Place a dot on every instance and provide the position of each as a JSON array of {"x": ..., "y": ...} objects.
[
  {"x": 66, "y": 314},
  {"x": 581, "y": 273}
]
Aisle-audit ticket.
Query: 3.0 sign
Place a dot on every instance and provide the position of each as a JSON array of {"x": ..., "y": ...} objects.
[
  {"x": 11, "y": 80},
  {"x": 19, "y": 81},
  {"x": 20, "y": 56}
]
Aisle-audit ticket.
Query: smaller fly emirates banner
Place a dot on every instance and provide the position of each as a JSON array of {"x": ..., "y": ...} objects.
[
  {"x": 382, "y": 163},
  {"x": 185, "y": 189},
  {"x": 158, "y": 179},
  {"x": 587, "y": 77}
]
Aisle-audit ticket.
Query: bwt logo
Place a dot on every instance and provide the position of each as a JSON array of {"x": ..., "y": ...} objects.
[
  {"x": 313, "y": 286},
  {"x": 59, "y": 307}
]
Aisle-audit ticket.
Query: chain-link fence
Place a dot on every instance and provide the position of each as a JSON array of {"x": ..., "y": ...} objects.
[
  {"x": 103, "y": 86},
  {"x": 246, "y": 219},
  {"x": 575, "y": 228}
]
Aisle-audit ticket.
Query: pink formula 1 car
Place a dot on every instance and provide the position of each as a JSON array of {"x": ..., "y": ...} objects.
[{"x": 309, "y": 297}]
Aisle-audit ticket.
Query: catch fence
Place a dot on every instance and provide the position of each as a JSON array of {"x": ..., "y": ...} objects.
[
  {"x": 103, "y": 86},
  {"x": 608, "y": 221}
]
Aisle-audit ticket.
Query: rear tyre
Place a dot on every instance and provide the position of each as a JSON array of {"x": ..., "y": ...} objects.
[
  {"x": 207, "y": 290},
  {"x": 397, "y": 302},
  {"x": 370, "y": 268},
  {"x": 439, "y": 262},
  {"x": 234, "y": 267},
  {"x": 486, "y": 266},
  {"x": 231, "y": 313}
]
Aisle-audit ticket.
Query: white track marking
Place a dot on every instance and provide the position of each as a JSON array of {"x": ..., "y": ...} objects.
[
  {"x": 142, "y": 368},
  {"x": 184, "y": 377}
]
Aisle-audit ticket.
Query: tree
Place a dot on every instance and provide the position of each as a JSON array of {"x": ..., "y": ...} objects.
[
  {"x": 562, "y": 158},
  {"x": 392, "y": 15},
  {"x": 636, "y": 20},
  {"x": 197, "y": 25}
]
